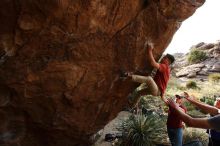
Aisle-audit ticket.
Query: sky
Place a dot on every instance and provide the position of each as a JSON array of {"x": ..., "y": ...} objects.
[{"x": 202, "y": 26}]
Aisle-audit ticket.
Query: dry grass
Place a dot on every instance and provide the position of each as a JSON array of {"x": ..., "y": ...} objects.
[
  {"x": 191, "y": 134},
  {"x": 207, "y": 89},
  {"x": 215, "y": 77}
]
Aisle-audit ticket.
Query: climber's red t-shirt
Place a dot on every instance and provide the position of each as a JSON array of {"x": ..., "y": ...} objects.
[
  {"x": 162, "y": 77},
  {"x": 173, "y": 120}
]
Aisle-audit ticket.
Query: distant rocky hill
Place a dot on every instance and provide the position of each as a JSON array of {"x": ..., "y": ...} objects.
[{"x": 200, "y": 70}]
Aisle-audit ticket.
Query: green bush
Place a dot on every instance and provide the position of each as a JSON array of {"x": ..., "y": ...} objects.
[
  {"x": 191, "y": 85},
  {"x": 151, "y": 102},
  {"x": 202, "y": 99},
  {"x": 208, "y": 100},
  {"x": 214, "y": 77},
  {"x": 142, "y": 130},
  {"x": 189, "y": 106},
  {"x": 196, "y": 56}
]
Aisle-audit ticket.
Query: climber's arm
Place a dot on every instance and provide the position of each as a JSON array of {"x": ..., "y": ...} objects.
[{"x": 149, "y": 48}]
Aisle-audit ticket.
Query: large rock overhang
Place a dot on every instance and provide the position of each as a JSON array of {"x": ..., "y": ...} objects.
[{"x": 61, "y": 59}]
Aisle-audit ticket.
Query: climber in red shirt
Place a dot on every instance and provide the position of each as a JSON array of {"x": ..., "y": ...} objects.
[{"x": 156, "y": 85}]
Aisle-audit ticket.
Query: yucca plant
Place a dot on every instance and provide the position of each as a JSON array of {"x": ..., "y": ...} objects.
[{"x": 141, "y": 130}]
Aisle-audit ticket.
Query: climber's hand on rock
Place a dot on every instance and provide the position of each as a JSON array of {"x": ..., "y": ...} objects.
[{"x": 149, "y": 45}]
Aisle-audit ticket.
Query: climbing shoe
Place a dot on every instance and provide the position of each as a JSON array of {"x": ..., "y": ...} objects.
[{"x": 123, "y": 74}]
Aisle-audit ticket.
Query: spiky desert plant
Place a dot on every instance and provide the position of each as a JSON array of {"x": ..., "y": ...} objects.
[{"x": 141, "y": 130}]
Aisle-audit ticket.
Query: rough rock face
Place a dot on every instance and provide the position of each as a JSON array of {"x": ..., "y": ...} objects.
[
  {"x": 60, "y": 63},
  {"x": 189, "y": 69},
  {"x": 202, "y": 69}
]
